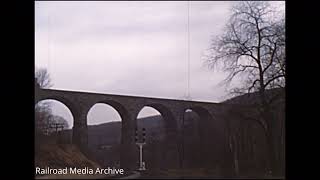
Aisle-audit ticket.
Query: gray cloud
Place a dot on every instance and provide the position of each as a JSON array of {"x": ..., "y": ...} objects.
[{"x": 132, "y": 48}]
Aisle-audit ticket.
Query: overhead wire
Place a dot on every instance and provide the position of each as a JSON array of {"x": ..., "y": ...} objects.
[
  {"x": 49, "y": 42},
  {"x": 188, "y": 97}
]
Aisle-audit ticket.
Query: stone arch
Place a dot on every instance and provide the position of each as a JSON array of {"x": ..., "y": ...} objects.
[
  {"x": 168, "y": 117},
  {"x": 203, "y": 123},
  {"x": 70, "y": 105},
  {"x": 121, "y": 110},
  {"x": 99, "y": 147},
  {"x": 252, "y": 146},
  {"x": 201, "y": 111},
  {"x": 127, "y": 132},
  {"x": 168, "y": 146},
  {"x": 243, "y": 127},
  {"x": 205, "y": 117},
  {"x": 65, "y": 136},
  {"x": 79, "y": 130}
]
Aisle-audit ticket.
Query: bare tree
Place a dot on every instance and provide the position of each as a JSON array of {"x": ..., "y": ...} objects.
[
  {"x": 42, "y": 109},
  {"x": 252, "y": 50},
  {"x": 43, "y": 78},
  {"x": 60, "y": 120},
  {"x": 253, "y": 46}
]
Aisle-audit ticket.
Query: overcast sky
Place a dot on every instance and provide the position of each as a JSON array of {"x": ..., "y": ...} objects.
[{"x": 130, "y": 48}]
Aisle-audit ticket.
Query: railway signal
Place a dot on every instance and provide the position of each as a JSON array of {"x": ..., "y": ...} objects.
[
  {"x": 136, "y": 135},
  {"x": 141, "y": 144},
  {"x": 144, "y": 135}
]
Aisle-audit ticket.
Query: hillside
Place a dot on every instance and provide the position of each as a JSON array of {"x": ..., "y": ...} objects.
[
  {"x": 104, "y": 139},
  {"x": 254, "y": 131},
  {"x": 110, "y": 133},
  {"x": 54, "y": 155},
  {"x": 252, "y": 98}
]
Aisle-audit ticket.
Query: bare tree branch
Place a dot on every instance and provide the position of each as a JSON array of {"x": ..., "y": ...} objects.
[
  {"x": 252, "y": 49},
  {"x": 272, "y": 79}
]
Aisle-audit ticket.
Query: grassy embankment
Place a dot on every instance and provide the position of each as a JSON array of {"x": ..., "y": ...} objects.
[{"x": 51, "y": 154}]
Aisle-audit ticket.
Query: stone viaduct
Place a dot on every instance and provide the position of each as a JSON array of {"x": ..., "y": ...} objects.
[{"x": 213, "y": 117}]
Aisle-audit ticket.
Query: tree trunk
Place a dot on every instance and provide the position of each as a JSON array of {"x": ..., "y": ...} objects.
[{"x": 267, "y": 117}]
